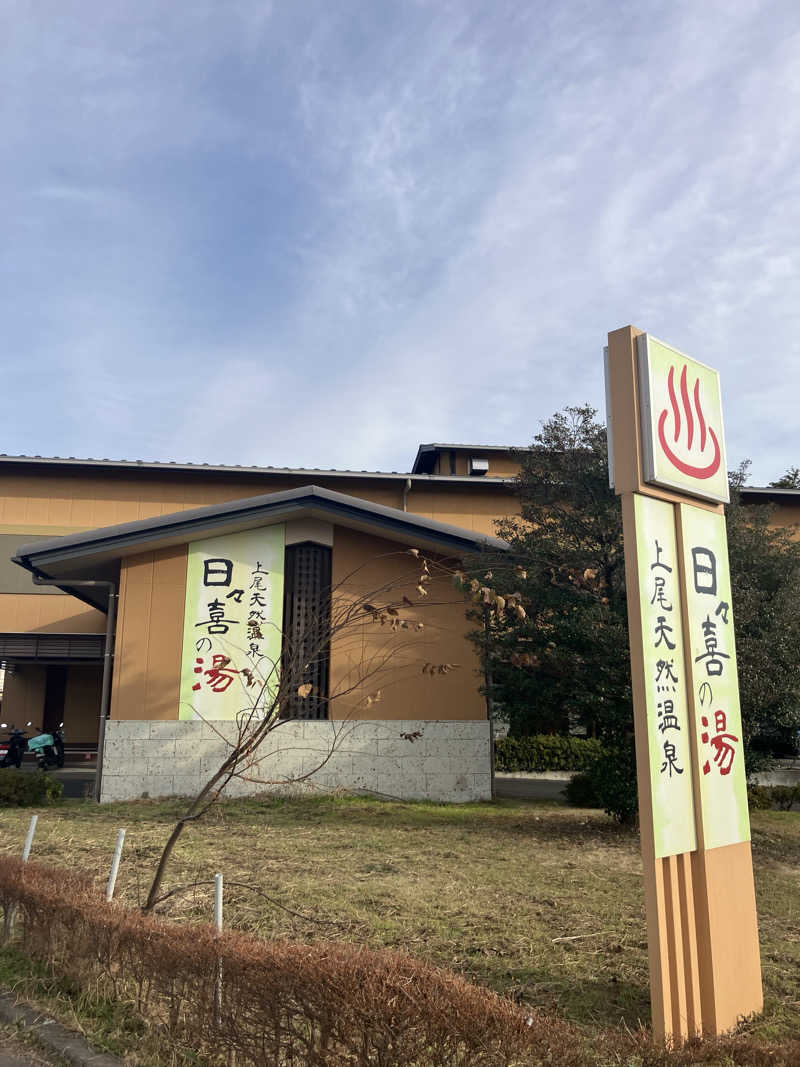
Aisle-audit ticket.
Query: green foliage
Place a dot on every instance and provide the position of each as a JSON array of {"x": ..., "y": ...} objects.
[
  {"x": 24, "y": 788},
  {"x": 782, "y": 797},
  {"x": 789, "y": 480},
  {"x": 563, "y": 661},
  {"x": 581, "y": 793},
  {"x": 545, "y": 752}
]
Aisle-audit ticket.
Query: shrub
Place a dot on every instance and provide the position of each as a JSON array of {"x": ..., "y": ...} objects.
[
  {"x": 332, "y": 1004},
  {"x": 766, "y": 797},
  {"x": 545, "y": 752},
  {"x": 581, "y": 792},
  {"x": 610, "y": 783},
  {"x": 21, "y": 788}
]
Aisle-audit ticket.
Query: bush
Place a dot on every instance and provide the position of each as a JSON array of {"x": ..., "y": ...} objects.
[
  {"x": 770, "y": 797},
  {"x": 545, "y": 752},
  {"x": 609, "y": 783},
  {"x": 21, "y": 788},
  {"x": 283, "y": 1002},
  {"x": 581, "y": 792}
]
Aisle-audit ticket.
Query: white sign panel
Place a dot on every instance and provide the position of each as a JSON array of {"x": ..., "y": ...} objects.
[{"x": 683, "y": 441}]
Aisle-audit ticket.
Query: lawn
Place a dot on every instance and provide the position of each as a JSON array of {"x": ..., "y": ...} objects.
[{"x": 540, "y": 902}]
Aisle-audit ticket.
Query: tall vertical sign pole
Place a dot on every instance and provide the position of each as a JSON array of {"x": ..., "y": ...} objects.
[{"x": 667, "y": 457}]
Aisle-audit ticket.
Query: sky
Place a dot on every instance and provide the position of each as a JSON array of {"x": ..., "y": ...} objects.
[{"x": 316, "y": 234}]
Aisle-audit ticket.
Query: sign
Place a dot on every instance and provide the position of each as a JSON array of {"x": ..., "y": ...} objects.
[
  {"x": 713, "y": 678},
  {"x": 668, "y": 718},
  {"x": 683, "y": 443},
  {"x": 232, "y": 631}
]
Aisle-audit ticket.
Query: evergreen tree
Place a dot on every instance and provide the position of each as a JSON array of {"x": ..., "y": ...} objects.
[{"x": 563, "y": 663}]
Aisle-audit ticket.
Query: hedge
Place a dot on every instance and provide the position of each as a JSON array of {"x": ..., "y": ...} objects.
[
  {"x": 545, "y": 752},
  {"x": 21, "y": 788}
]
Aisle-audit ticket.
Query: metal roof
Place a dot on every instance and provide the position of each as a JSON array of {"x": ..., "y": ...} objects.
[{"x": 208, "y": 468}]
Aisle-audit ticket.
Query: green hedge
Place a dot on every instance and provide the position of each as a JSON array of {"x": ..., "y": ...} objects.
[
  {"x": 545, "y": 752},
  {"x": 21, "y": 788},
  {"x": 782, "y": 797}
]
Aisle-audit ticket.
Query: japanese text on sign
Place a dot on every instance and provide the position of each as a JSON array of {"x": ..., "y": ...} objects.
[{"x": 232, "y": 624}]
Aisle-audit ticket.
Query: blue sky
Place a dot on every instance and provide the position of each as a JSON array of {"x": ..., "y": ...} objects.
[{"x": 316, "y": 234}]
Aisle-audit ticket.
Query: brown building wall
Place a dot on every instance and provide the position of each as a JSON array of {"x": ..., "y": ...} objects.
[
  {"x": 82, "y": 704},
  {"x": 150, "y": 636},
  {"x": 31, "y": 613},
  {"x": 149, "y": 644},
  {"x": 60, "y": 501},
  {"x": 370, "y": 658},
  {"x": 23, "y": 696}
]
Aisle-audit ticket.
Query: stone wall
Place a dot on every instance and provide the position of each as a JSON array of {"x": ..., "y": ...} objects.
[{"x": 448, "y": 762}]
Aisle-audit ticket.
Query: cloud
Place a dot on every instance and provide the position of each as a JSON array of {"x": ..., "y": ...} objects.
[{"x": 319, "y": 234}]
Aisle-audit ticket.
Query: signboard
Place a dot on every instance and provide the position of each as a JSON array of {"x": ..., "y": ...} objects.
[
  {"x": 683, "y": 443},
  {"x": 713, "y": 678},
  {"x": 232, "y": 632},
  {"x": 668, "y": 719}
]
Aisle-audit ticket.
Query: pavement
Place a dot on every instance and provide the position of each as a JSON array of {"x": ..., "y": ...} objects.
[
  {"x": 531, "y": 786},
  {"x": 55, "y": 1043}
]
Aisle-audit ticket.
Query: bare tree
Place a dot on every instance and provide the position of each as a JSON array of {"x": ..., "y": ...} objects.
[{"x": 379, "y": 630}]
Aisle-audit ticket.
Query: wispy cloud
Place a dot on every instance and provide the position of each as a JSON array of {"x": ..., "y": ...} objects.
[{"x": 319, "y": 234}]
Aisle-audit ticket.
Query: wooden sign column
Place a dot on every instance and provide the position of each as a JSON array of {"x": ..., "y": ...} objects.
[{"x": 705, "y": 971}]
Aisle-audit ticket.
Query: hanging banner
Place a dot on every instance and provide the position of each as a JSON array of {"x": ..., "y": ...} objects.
[
  {"x": 668, "y": 719},
  {"x": 232, "y": 632},
  {"x": 713, "y": 679},
  {"x": 680, "y": 403}
]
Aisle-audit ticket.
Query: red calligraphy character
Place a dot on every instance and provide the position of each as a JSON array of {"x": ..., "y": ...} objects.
[
  {"x": 220, "y": 676},
  {"x": 720, "y": 742}
]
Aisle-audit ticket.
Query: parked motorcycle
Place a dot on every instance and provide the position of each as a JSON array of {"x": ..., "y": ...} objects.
[
  {"x": 12, "y": 750},
  {"x": 48, "y": 748}
]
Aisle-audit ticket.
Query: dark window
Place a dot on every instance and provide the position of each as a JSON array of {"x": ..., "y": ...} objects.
[{"x": 306, "y": 629}]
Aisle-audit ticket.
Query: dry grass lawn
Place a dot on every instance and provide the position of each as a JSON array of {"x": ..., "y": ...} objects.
[{"x": 540, "y": 902}]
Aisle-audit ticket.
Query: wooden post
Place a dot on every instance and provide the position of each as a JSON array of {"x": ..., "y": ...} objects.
[{"x": 701, "y": 917}]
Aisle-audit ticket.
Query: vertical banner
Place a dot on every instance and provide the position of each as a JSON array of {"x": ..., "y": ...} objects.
[
  {"x": 668, "y": 719},
  {"x": 232, "y": 632},
  {"x": 713, "y": 676}
]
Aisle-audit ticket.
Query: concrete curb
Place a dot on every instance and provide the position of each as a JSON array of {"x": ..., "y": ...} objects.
[{"x": 51, "y": 1035}]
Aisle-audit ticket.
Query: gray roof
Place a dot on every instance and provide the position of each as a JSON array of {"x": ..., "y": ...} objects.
[
  {"x": 209, "y": 468},
  {"x": 96, "y": 553}
]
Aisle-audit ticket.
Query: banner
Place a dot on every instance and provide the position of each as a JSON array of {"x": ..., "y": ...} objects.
[
  {"x": 713, "y": 678},
  {"x": 232, "y": 632},
  {"x": 668, "y": 717}
]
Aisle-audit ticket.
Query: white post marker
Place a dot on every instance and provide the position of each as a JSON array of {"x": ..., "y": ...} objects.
[
  {"x": 29, "y": 839},
  {"x": 112, "y": 878},
  {"x": 11, "y": 908},
  {"x": 218, "y": 902},
  {"x": 218, "y": 925}
]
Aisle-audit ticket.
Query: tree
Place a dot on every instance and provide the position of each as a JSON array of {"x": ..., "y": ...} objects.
[
  {"x": 566, "y": 664},
  {"x": 789, "y": 480},
  {"x": 378, "y": 629}
]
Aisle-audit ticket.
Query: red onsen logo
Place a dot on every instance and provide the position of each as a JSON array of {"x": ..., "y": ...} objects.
[{"x": 704, "y": 431}]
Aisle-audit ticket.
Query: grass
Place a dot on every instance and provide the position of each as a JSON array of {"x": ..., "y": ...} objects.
[{"x": 540, "y": 902}]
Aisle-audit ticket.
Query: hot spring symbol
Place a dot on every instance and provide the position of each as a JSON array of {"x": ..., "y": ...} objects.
[{"x": 697, "y": 433}]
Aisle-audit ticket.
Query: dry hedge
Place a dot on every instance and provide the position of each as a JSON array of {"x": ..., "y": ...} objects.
[
  {"x": 281, "y": 1002},
  {"x": 331, "y": 1004}
]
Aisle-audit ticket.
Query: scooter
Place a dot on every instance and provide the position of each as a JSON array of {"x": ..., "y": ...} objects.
[
  {"x": 49, "y": 748},
  {"x": 12, "y": 750}
]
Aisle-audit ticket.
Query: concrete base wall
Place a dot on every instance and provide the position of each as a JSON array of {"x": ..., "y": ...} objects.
[{"x": 448, "y": 762}]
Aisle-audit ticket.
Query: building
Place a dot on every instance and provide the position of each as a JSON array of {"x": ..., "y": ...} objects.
[
  {"x": 80, "y": 537},
  {"x": 165, "y": 540}
]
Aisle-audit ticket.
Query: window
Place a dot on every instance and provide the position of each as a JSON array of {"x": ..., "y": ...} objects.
[{"x": 306, "y": 628}]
